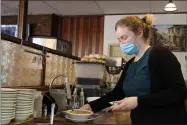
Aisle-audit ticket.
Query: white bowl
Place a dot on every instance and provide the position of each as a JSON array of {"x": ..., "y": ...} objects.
[
  {"x": 25, "y": 101},
  {"x": 89, "y": 99},
  {"x": 24, "y": 112},
  {"x": 25, "y": 104},
  {"x": 5, "y": 121},
  {"x": 80, "y": 116},
  {"x": 24, "y": 109},
  {"x": 25, "y": 96},
  {"x": 75, "y": 120},
  {"x": 21, "y": 117},
  {"x": 26, "y": 91}
]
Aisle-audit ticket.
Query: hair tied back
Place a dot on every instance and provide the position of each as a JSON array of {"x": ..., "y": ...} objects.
[{"x": 144, "y": 20}]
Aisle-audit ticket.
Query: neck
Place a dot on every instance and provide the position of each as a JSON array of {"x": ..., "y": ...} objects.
[{"x": 142, "y": 50}]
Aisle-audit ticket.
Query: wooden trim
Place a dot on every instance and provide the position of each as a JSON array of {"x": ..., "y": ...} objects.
[
  {"x": 36, "y": 46},
  {"x": 18, "y": 41},
  {"x": 22, "y": 19},
  {"x": 54, "y": 26},
  {"x": 44, "y": 68},
  {"x": 39, "y": 88}
]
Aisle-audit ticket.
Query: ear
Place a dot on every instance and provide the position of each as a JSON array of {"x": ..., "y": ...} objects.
[{"x": 140, "y": 32}]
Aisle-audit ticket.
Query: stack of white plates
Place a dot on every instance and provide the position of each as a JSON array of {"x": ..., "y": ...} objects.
[
  {"x": 8, "y": 103},
  {"x": 25, "y": 104}
]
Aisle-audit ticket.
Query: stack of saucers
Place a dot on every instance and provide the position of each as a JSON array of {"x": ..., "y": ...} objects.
[
  {"x": 25, "y": 104},
  {"x": 8, "y": 103}
]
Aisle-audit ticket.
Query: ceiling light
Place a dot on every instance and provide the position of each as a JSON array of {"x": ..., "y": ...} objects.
[{"x": 170, "y": 7}]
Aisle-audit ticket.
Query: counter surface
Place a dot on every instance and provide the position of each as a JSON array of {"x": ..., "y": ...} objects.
[{"x": 103, "y": 118}]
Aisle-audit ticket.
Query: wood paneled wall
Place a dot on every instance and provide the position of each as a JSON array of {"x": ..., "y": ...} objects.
[{"x": 85, "y": 32}]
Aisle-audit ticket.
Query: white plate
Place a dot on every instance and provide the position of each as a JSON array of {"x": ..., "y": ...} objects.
[
  {"x": 25, "y": 95},
  {"x": 78, "y": 120},
  {"x": 23, "y": 109},
  {"x": 8, "y": 95},
  {"x": 25, "y": 106},
  {"x": 5, "y": 121},
  {"x": 7, "y": 108},
  {"x": 24, "y": 101},
  {"x": 8, "y": 105},
  {"x": 2, "y": 98},
  {"x": 8, "y": 90},
  {"x": 6, "y": 114},
  {"x": 26, "y": 91},
  {"x": 24, "y": 98},
  {"x": 8, "y": 101}
]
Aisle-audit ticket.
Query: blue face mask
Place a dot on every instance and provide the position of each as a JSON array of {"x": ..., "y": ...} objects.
[{"x": 130, "y": 48}]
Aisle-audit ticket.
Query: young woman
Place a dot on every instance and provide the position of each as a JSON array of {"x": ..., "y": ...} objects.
[{"x": 151, "y": 86}]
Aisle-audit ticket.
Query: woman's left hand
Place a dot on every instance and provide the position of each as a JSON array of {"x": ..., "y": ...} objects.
[{"x": 125, "y": 104}]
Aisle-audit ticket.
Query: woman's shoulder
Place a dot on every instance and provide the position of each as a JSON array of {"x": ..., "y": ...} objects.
[
  {"x": 160, "y": 50},
  {"x": 162, "y": 54}
]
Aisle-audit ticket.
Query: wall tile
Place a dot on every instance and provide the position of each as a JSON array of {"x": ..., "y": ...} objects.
[
  {"x": 15, "y": 68},
  {"x": 56, "y": 65}
]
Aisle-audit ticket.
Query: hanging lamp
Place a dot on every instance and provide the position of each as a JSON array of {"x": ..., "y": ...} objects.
[{"x": 170, "y": 7}]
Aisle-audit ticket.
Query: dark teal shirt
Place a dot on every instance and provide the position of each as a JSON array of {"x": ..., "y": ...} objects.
[{"x": 137, "y": 81}]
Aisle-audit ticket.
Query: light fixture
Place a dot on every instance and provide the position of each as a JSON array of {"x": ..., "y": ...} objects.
[{"x": 170, "y": 7}]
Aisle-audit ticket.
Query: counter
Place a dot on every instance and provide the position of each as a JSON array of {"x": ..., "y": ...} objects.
[{"x": 103, "y": 118}]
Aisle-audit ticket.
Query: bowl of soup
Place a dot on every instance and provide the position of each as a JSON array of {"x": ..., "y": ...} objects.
[{"x": 79, "y": 114}]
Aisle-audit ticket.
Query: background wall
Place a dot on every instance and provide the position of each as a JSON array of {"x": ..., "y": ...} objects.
[{"x": 159, "y": 19}]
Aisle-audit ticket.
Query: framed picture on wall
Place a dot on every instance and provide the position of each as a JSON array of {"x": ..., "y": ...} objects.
[
  {"x": 9, "y": 30},
  {"x": 173, "y": 37}
]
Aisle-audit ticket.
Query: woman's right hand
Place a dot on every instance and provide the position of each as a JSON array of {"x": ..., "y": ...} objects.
[{"x": 86, "y": 107}]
